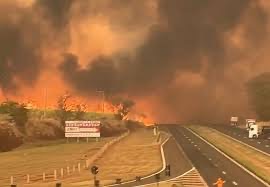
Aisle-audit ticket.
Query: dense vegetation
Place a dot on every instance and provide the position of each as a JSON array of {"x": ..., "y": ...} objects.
[
  {"x": 19, "y": 124},
  {"x": 259, "y": 95}
]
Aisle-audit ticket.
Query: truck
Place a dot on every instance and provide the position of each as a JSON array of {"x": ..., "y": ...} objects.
[
  {"x": 234, "y": 121},
  {"x": 259, "y": 130},
  {"x": 250, "y": 122}
]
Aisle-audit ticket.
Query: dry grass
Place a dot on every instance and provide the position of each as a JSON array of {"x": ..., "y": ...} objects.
[
  {"x": 36, "y": 160},
  {"x": 166, "y": 184},
  {"x": 250, "y": 158},
  {"x": 136, "y": 155}
]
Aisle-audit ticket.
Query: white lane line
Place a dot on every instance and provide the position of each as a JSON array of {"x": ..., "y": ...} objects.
[
  {"x": 234, "y": 183},
  {"x": 168, "y": 179},
  {"x": 224, "y": 172},
  {"x": 225, "y": 155}
]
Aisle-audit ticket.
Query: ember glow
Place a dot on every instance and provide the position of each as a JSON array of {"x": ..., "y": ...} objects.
[{"x": 179, "y": 60}]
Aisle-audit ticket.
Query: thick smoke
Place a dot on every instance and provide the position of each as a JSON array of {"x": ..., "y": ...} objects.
[
  {"x": 190, "y": 37},
  {"x": 19, "y": 57},
  {"x": 22, "y": 36},
  {"x": 187, "y": 62}
]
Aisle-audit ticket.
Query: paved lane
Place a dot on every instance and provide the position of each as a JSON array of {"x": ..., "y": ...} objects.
[
  {"x": 242, "y": 135},
  {"x": 210, "y": 163}
]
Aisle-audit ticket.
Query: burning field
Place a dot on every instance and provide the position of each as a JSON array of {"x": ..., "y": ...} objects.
[{"x": 179, "y": 60}]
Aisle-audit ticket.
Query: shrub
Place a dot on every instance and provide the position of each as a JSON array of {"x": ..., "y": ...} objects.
[
  {"x": 45, "y": 129},
  {"x": 9, "y": 136},
  {"x": 112, "y": 128}
]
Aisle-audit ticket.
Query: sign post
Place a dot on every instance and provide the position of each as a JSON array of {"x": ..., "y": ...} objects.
[
  {"x": 157, "y": 176},
  {"x": 168, "y": 170},
  {"x": 94, "y": 171}
]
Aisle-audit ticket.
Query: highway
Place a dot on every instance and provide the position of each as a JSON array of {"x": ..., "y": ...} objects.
[
  {"x": 210, "y": 163},
  {"x": 242, "y": 135}
]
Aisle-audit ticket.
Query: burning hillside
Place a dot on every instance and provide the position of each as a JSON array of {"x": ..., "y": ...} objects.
[{"x": 180, "y": 60}]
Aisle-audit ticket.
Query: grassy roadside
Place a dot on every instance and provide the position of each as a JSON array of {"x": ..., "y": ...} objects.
[
  {"x": 255, "y": 161},
  {"x": 45, "y": 156},
  {"x": 136, "y": 155}
]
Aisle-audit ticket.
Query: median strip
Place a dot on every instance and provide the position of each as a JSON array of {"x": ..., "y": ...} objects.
[{"x": 253, "y": 160}]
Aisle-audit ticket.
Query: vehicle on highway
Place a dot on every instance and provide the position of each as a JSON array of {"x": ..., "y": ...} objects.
[
  {"x": 250, "y": 122},
  {"x": 234, "y": 121},
  {"x": 259, "y": 130}
]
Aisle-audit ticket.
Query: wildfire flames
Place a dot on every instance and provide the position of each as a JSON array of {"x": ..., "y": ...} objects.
[{"x": 179, "y": 60}]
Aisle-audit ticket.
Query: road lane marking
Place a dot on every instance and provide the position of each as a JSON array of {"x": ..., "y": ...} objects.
[
  {"x": 234, "y": 183},
  {"x": 232, "y": 160},
  {"x": 168, "y": 180}
]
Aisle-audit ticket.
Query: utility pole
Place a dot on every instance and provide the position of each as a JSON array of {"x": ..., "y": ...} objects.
[
  {"x": 103, "y": 100},
  {"x": 45, "y": 102}
]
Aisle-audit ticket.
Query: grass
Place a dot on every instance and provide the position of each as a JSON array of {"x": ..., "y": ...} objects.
[
  {"x": 250, "y": 158},
  {"x": 136, "y": 155},
  {"x": 166, "y": 184},
  {"x": 44, "y": 156}
]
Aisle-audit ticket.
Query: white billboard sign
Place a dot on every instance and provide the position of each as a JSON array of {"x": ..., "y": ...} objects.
[{"x": 84, "y": 129}]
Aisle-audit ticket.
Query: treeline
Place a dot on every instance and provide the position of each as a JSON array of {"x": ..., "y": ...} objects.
[
  {"x": 259, "y": 95},
  {"x": 18, "y": 124}
]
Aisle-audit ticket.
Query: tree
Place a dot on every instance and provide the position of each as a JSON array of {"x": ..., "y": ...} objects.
[
  {"x": 18, "y": 112},
  {"x": 259, "y": 95},
  {"x": 63, "y": 111},
  {"x": 79, "y": 112},
  {"x": 124, "y": 106}
]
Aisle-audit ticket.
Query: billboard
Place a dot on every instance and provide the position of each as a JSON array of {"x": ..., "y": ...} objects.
[{"x": 76, "y": 129}]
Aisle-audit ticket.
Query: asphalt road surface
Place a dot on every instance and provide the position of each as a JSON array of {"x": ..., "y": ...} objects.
[
  {"x": 242, "y": 135},
  {"x": 173, "y": 156},
  {"x": 210, "y": 163}
]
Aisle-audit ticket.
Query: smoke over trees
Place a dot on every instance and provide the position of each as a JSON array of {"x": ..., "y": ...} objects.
[
  {"x": 259, "y": 93},
  {"x": 184, "y": 54},
  {"x": 190, "y": 38}
]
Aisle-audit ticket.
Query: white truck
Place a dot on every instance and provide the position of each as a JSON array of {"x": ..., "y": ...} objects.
[
  {"x": 234, "y": 121},
  {"x": 259, "y": 130},
  {"x": 250, "y": 122}
]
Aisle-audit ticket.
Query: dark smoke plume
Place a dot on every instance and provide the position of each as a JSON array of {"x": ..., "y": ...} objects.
[
  {"x": 19, "y": 57},
  {"x": 189, "y": 34},
  {"x": 22, "y": 36}
]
